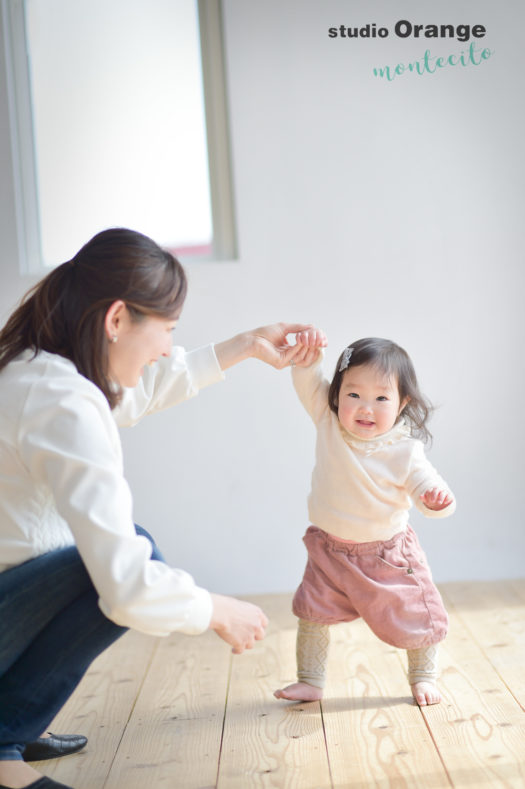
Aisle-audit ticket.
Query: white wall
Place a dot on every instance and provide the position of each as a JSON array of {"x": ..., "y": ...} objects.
[{"x": 370, "y": 208}]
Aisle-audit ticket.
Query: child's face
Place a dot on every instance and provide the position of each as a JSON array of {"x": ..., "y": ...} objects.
[{"x": 368, "y": 403}]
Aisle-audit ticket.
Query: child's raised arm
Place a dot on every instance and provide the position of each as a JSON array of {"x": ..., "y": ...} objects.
[{"x": 307, "y": 375}]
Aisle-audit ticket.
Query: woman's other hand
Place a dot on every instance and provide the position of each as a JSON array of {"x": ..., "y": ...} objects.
[{"x": 238, "y": 623}]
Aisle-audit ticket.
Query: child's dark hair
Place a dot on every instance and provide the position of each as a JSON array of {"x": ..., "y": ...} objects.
[{"x": 390, "y": 359}]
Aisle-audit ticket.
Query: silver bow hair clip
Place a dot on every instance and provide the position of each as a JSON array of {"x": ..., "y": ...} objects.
[{"x": 345, "y": 359}]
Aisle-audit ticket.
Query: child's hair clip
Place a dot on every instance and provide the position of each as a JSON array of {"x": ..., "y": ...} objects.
[{"x": 345, "y": 359}]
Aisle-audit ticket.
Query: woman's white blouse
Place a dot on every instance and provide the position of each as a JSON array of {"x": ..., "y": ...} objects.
[{"x": 62, "y": 482}]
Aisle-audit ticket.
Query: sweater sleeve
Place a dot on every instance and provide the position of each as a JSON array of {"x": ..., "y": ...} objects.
[
  {"x": 312, "y": 388},
  {"x": 170, "y": 381},
  {"x": 69, "y": 442},
  {"x": 423, "y": 476}
]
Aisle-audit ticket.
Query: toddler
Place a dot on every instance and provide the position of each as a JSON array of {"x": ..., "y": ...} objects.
[{"x": 364, "y": 560}]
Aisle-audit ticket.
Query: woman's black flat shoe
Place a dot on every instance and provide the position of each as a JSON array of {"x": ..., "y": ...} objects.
[
  {"x": 44, "y": 783},
  {"x": 52, "y": 747}
]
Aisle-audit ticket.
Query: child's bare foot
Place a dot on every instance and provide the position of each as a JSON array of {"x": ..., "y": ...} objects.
[
  {"x": 425, "y": 693},
  {"x": 299, "y": 691}
]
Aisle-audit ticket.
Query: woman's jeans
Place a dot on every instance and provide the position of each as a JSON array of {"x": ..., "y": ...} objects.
[{"x": 51, "y": 630}]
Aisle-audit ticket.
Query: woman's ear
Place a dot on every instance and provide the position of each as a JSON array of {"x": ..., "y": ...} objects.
[{"x": 113, "y": 319}]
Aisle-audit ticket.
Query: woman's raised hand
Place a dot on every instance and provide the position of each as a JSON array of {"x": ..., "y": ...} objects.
[
  {"x": 270, "y": 344},
  {"x": 238, "y": 623}
]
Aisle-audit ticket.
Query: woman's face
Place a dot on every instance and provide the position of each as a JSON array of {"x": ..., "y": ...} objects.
[{"x": 138, "y": 344}]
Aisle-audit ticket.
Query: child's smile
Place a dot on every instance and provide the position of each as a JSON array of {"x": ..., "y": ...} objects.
[{"x": 365, "y": 423}]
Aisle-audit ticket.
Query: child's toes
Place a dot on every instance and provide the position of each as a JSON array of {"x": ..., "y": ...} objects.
[{"x": 425, "y": 693}]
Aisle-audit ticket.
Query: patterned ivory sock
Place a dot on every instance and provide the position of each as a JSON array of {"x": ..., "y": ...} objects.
[
  {"x": 313, "y": 640},
  {"x": 423, "y": 664}
]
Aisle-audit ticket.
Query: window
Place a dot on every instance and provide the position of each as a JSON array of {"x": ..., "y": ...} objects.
[{"x": 115, "y": 125}]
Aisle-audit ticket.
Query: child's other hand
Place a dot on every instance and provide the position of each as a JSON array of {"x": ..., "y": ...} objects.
[
  {"x": 436, "y": 499},
  {"x": 308, "y": 343}
]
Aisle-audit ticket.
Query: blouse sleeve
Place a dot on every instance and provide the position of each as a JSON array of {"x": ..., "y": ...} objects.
[
  {"x": 423, "y": 476},
  {"x": 170, "y": 381},
  {"x": 312, "y": 388},
  {"x": 69, "y": 442}
]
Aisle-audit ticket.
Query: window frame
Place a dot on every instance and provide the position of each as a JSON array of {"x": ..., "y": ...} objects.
[{"x": 224, "y": 241}]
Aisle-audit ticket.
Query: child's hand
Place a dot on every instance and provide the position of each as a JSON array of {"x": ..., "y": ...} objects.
[
  {"x": 309, "y": 340},
  {"x": 436, "y": 499}
]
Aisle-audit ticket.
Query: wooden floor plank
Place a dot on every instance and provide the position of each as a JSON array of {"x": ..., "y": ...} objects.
[
  {"x": 174, "y": 735},
  {"x": 478, "y": 728},
  {"x": 100, "y": 709},
  {"x": 517, "y": 585},
  {"x": 494, "y": 613},
  {"x": 271, "y": 743},
  {"x": 376, "y": 735}
]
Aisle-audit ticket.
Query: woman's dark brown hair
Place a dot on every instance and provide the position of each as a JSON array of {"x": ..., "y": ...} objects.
[
  {"x": 391, "y": 360},
  {"x": 64, "y": 313}
]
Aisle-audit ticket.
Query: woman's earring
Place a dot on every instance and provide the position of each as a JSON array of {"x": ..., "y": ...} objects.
[{"x": 114, "y": 338}]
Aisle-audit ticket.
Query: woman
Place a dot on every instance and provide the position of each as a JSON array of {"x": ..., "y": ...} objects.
[{"x": 90, "y": 347}]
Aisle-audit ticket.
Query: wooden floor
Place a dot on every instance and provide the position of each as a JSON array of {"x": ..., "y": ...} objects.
[{"x": 182, "y": 712}]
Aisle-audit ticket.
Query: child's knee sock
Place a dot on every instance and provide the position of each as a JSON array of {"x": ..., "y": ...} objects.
[
  {"x": 423, "y": 664},
  {"x": 312, "y": 652}
]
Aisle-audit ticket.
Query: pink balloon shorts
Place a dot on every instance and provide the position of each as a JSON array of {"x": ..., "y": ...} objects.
[{"x": 388, "y": 584}]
